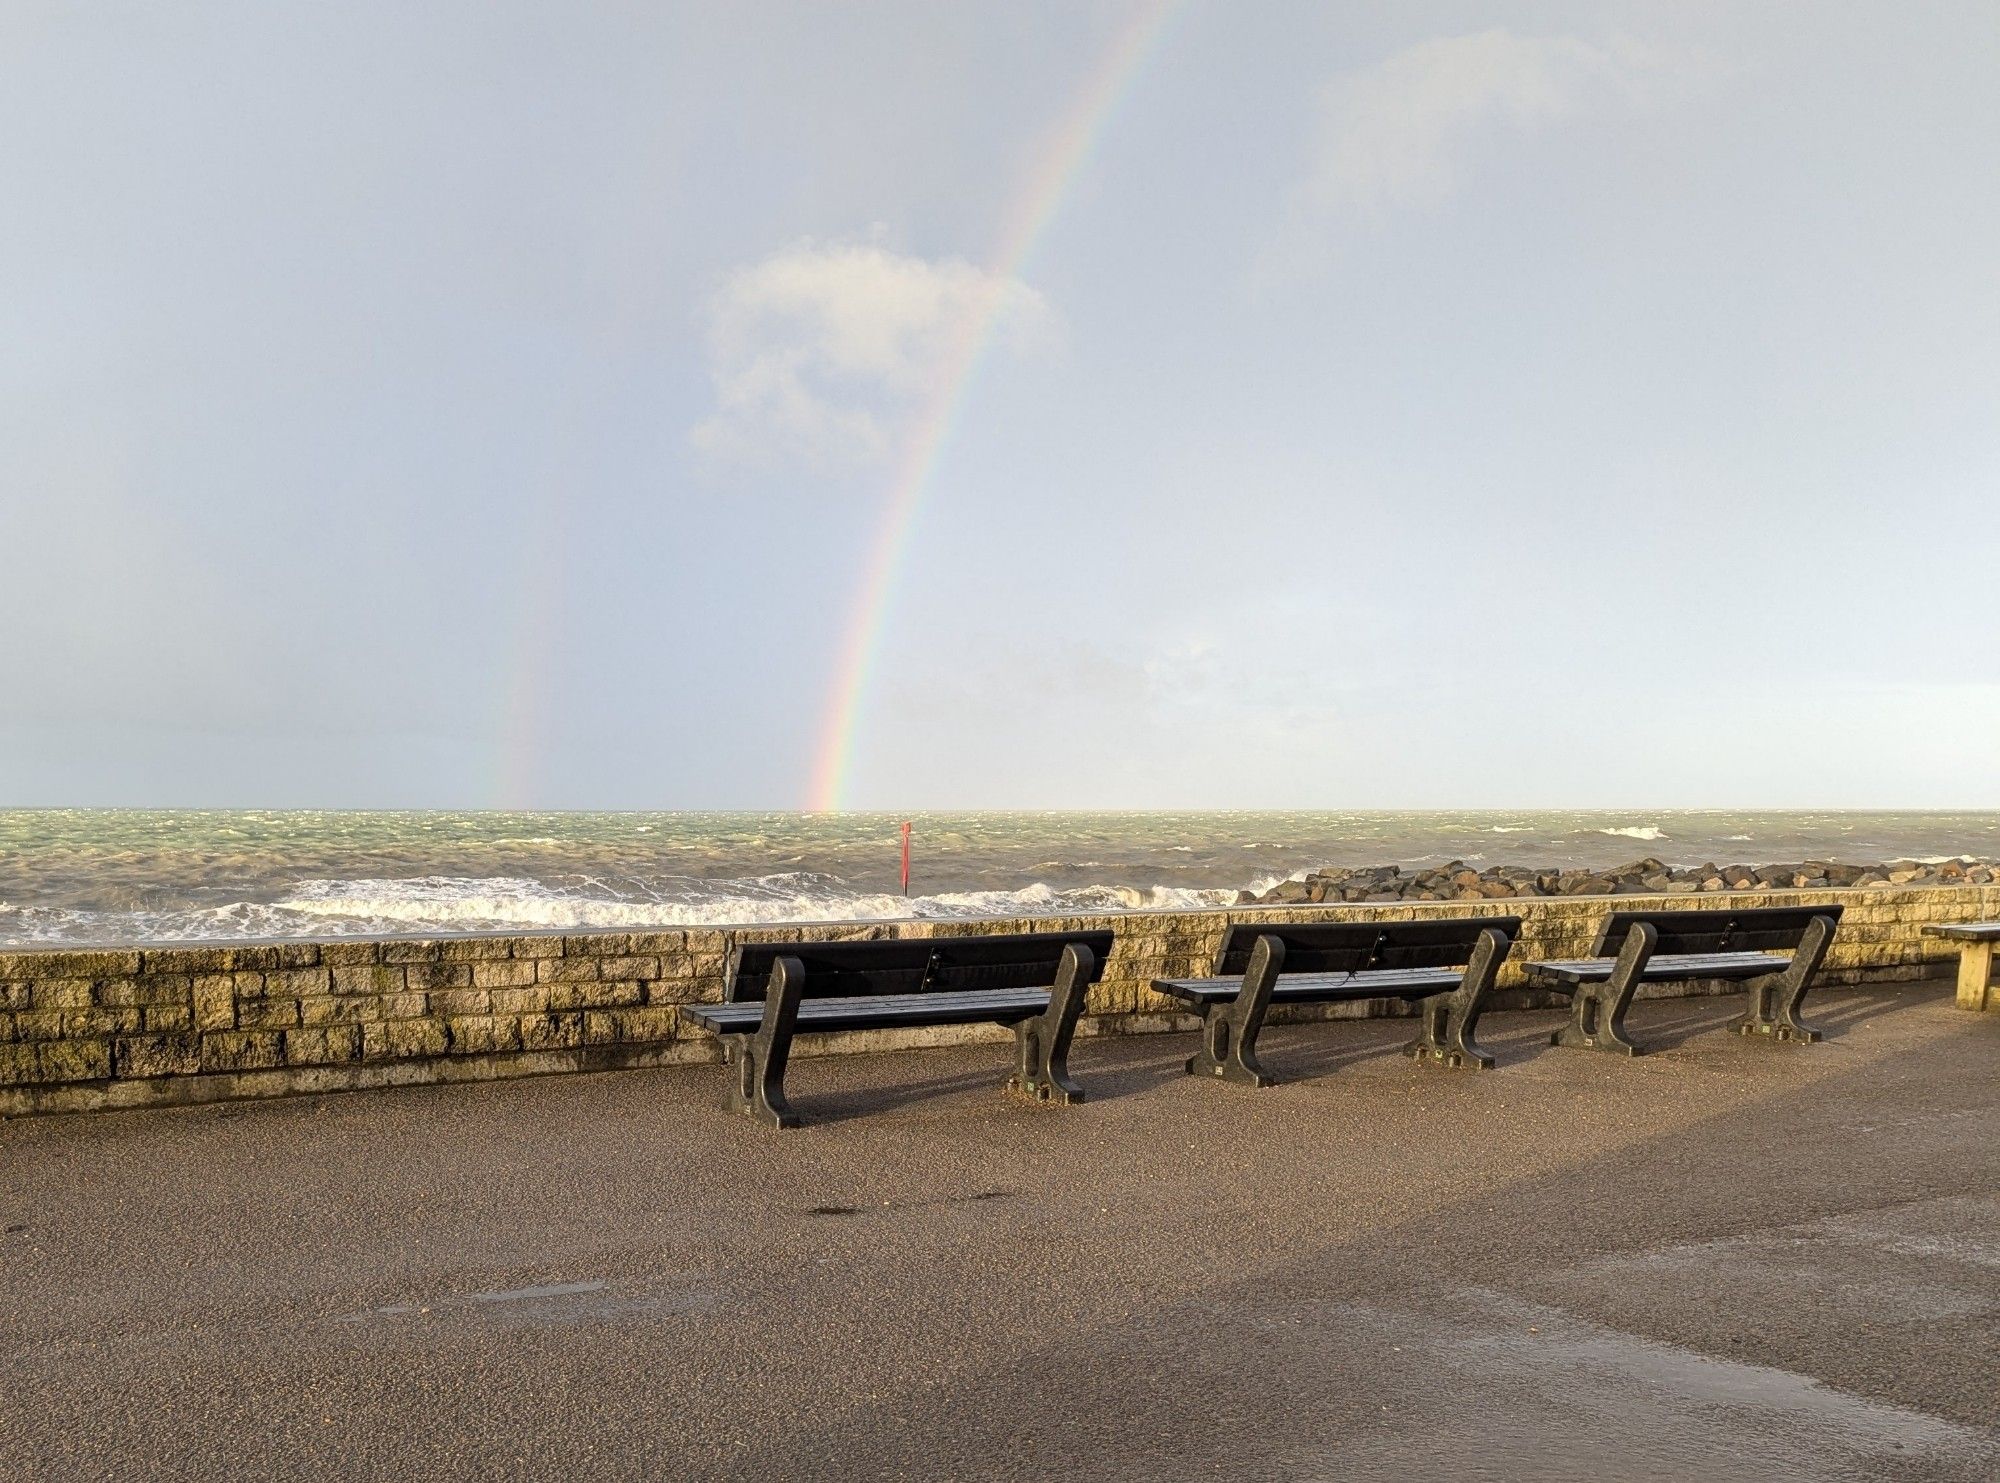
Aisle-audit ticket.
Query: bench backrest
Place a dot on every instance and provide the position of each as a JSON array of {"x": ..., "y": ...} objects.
[
  {"x": 1355, "y": 947},
  {"x": 1754, "y": 929},
  {"x": 914, "y": 965}
]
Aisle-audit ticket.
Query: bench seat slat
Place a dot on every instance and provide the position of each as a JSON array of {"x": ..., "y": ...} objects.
[
  {"x": 1309, "y": 988},
  {"x": 881, "y": 1011},
  {"x": 1663, "y": 968},
  {"x": 1966, "y": 931}
]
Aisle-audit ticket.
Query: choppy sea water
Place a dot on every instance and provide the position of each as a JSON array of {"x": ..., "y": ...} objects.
[{"x": 113, "y": 875}]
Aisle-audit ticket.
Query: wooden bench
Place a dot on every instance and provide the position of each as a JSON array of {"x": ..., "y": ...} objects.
[
  {"x": 1447, "y": 965},
  {"x": 1643, "y": 947},
  {"x": 1034, "y": 982},
  {"x": 1975, "y": 960}
]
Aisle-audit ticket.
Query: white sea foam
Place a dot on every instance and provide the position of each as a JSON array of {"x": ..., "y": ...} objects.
[
  {"x": 1636, "y": 831},
  {"x": 41, "y": 925},
  {"x": 462, "y": 903},
  {"x": 1509, "y": 828}
]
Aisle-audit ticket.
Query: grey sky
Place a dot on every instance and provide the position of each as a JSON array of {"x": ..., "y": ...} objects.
[{"x": 1408, "y": 404}]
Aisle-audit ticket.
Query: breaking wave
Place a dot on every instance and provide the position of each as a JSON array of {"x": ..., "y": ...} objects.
[
  {"x": 1636, "y": 831},
  {"x": 499, "y": 903}
]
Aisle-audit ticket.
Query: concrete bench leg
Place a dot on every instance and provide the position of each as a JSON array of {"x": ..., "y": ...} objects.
[
  {"x": 1041, "y": 1045},
  {"x": 1975, "y": 975},
  {"x": 757, "y": 1062},
  {"x": 1597, "y": 1011},
  {"x": 1229, "y": 1031},
  {"x": 1775, "y": 998},
  {"x": 1450, "y": 1019}
]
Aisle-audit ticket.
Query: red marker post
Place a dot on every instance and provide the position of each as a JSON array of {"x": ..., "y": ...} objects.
[{"x": 906, "y": 857}]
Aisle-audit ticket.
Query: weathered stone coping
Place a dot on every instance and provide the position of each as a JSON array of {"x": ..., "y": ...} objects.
[{"x": 103, "y": 1027}]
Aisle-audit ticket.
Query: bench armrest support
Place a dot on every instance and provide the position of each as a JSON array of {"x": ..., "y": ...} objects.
[
  {"x": 1229, "y": 1031},
  {"x": 1041, "y": 1044},
  {"x": 1775, "y": 999},
  {"x": 1450, "y": 1019},
  {"x": 1597, "y": 1011},
  {"x": 757, "y": 1062}
]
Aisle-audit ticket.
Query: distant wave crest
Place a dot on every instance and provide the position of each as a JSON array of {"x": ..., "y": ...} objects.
[{"x": 1636, "y": 831}]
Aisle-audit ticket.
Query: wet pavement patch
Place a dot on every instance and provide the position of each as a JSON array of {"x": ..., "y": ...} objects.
[
  {"x": 1564, "y": 1398},
  {"x": 551, "y": 1304}
]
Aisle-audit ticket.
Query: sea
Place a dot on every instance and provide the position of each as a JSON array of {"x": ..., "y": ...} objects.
[{"x": 96, "y": 876}]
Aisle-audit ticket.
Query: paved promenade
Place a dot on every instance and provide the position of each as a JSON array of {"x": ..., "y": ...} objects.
[{"x": 1727, "y": 1261}]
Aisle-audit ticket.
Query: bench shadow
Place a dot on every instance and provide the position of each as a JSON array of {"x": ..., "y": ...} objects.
[
  {"x": 1107, "y": 1068},
  {"x": 1117, "y": 1067},
  {"x": 1135, "y": 1069},
  {"x": 1298, "y": 1052},
  {"x": 1325, "y": 1054},
  {"x": 842, "y": 1103},
  {"x": 1656, "y": 1026},
  {"x": 1520, "y": 1036},
  {"x": 1847, "y": 1013}
]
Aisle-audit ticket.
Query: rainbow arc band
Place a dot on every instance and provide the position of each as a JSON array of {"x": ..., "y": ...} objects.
[{"x": 1034, "y": 208}]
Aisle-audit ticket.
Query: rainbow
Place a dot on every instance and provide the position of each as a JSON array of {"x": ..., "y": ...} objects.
[{"x": 1027, "y": 221}]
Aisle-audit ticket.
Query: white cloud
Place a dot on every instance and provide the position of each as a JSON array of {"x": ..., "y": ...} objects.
[
  {"x": 825, "y": 350},
  {"x": 1392, "y": 136}
]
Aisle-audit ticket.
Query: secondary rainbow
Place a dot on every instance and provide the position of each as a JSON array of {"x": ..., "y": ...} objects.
[{"x": 1028, "y": 219}]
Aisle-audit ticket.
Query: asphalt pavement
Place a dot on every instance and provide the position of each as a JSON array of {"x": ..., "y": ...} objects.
[{"x": 1725, "y": 1260}]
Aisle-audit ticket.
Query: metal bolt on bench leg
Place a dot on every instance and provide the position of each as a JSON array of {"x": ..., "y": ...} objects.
[
  {"x": 1450, "y": 1019},
  {"x": 1775, "y": 999},
  {"x": 1041, "y": 1045},
  {"x": 1597, "y": 1011},
  {"x": 757, "y": 1062},
  {"x": 1229, "y": 1031}
]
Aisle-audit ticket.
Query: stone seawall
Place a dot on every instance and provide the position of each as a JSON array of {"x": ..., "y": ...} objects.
[{"x": 129, "y": 1027}]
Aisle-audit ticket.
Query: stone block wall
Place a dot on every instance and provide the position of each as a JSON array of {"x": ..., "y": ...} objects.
[{"x": 136, "y": 1026}]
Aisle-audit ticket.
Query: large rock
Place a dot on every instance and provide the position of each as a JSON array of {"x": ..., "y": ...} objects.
[{"x": 1457, "y": 880}]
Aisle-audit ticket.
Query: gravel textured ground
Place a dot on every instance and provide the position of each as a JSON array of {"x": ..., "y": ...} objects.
[{"x": 1727, "y": 1260}]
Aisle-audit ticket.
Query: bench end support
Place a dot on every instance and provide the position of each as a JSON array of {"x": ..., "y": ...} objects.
[
  {"x": 1041, "y": 1044},
  {"x": 1597, "y": 1010},
  {"x": 757, "y": 1061},
  {"x": 1229, "y": 1031},
  {"x": 1775, "y": 1000},
  {"x": 1449, "y": 1020}
]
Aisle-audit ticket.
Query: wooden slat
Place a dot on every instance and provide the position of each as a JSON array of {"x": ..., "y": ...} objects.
[
  {"x": 873, "y": 1003},
  {"x": 1353, "y": 947},
  {"x": 910, "y": 965},
  {"x": 876, "y": 1011},
  {"x": 1320, "y": 987},
  {"x": 1664, "y": 967},
  {"x": 1966, "y": 931},
  {"x": 1715, "y": 929}
]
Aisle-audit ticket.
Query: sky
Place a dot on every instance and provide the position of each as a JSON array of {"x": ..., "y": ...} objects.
[{"x": 1086, "y": 404}]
